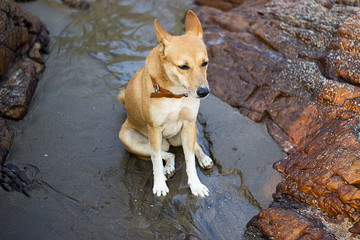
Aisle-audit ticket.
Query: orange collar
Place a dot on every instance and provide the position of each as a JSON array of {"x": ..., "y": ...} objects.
[{"x": 160, "y": 92}]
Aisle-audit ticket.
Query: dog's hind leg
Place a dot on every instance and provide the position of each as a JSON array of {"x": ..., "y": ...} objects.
[
  {"x": 138, "y": 144},
  {"x": 135, "y": 142}
]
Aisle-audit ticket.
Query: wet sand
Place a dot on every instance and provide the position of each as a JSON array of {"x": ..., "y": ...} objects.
[{"x": 89, "y": 186}]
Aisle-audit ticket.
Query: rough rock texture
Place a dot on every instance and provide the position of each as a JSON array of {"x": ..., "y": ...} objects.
[
  {"x": 5, "y": 140},
  {"x": 296, "y": 66},
  {"x": 17, "y": 89},
  {"x": 286, "y": 219},
  {"x": 23, "y": 40},
  {"x": 79, "y": 4}
]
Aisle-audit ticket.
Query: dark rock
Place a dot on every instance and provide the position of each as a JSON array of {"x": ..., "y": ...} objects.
[
  {"x": 23, "y": 40},
  {"x": 79, "y": 4},
  {"x": 6, "y": 56},
  {"x": 17, "y": 88},
  {"x": 295, "y": 64},
  {"x": 6, "y": 137},
  {"x": 14, "y": 179},
  {"x": 191, "y": 237},
  {"x": 34, "y": 53}
]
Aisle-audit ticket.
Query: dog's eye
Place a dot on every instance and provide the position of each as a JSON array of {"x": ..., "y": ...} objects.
[
  {"x": 184, "y": 67},
  {"x": 204, "y": 64}
]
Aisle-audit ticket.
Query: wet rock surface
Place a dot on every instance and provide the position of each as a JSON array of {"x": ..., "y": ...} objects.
[
  {"x": 14, "y": 179},
  {"x": 17, "y": 89},
  {"x": 6, "y": 137},
  {"x": 287, "y": 219},
  {"x": 79, "y": 4},
  {"x": 23, "y": 41},
  {"x": 295, "y": 65}
]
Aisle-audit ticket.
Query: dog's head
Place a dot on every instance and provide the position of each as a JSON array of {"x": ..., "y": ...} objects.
[{"x": 185, "y": 57}]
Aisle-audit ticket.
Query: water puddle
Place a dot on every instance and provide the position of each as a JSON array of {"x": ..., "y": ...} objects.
[{"x": 90, "y": 186}]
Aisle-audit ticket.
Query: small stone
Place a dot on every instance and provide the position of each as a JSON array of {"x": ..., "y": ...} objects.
[{"x": 34, "y": 53}]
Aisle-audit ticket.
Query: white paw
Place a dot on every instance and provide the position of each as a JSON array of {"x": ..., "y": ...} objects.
[
  {"x": 205, "y": 162},
  {"x": 160, "y": 188},
  {"x": 169, "y": 171},
  {"x": 199, "y": 189}
]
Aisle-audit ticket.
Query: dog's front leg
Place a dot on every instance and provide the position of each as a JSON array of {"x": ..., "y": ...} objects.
[
  {"x": 188, "y": 138},
  {"x": 155, "y": 138}
]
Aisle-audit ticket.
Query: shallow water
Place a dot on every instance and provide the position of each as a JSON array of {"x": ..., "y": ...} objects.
[
  {"x": 120, "y": 34},
  {"x": 89, "y": 187}
]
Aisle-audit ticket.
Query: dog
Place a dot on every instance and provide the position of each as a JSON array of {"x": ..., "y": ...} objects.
[{"x": 162, "y": 102}]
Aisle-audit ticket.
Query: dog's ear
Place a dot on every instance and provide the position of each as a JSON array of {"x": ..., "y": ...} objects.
[
  {"x": 162, "y": 35},
  {"x": 193, "y": 25}
]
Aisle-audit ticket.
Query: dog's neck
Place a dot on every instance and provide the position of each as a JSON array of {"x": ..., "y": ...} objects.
[
  {"x": 160, "y": 92},
  {"x": 160, "y": 81}
]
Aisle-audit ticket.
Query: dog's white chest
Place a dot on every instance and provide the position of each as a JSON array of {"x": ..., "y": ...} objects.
[
  {"x": 175, "y": 120},
  {"x": 172, "y": 117}
]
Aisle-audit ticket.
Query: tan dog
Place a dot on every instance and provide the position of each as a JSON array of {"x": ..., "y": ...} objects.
[{"x": 162, "y": 102}]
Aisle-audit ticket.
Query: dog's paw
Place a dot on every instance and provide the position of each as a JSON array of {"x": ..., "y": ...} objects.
[
  {"x": 169, "y": 171},
  {"x": 199, "y": 190},
  {"x": 160, "y": 188},
  {"x": 206, "y": 163}
]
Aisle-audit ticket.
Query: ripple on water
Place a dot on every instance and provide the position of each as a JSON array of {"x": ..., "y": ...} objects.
[{"x": 120, "y": 34}]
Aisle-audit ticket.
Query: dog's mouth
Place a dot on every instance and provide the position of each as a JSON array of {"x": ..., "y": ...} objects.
[
  {"x": 190, "y": 92},
  {"x": 201, "y": 92},
  {"x": 187, "y": 92}
]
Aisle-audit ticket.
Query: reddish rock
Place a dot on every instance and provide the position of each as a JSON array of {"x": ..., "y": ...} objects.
[
  {"x": 283, "y": 223},
  {"x": 295, "y": 65},
  {"x": 222, "y": 5},
  {"x": 337, "y": 93}
]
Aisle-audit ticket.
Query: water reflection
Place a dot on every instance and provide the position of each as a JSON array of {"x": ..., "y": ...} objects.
[
  {"x": 222, "y": 215},
  {"x": 120, "y": 34}
]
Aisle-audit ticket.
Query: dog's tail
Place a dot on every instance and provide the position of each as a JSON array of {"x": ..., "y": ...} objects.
[{"x": 121, "y": 96}]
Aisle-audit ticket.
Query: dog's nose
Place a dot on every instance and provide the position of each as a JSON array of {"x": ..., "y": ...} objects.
[{"x": 202, "y": 92}]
